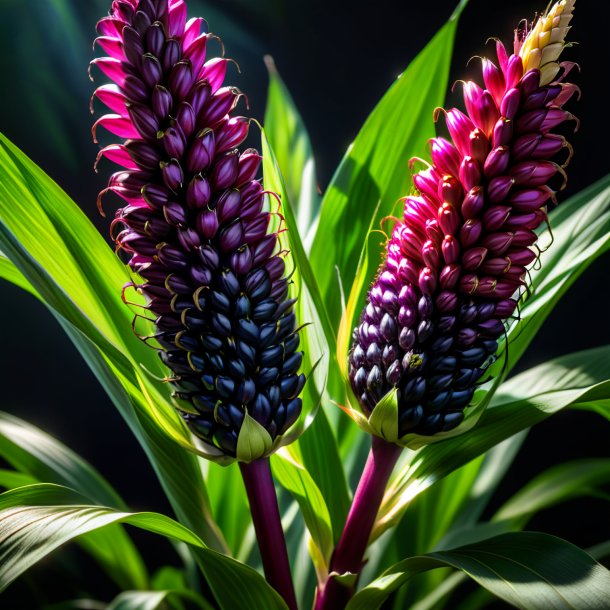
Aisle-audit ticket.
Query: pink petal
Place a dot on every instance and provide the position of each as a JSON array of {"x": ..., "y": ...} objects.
[
  {"x": 112, "y": 46},
  {"x": 117, "y": 153},
  {"x": 113, "y": 98},
  {"x": 192, "y": 30},
  {"x": 195, "y": 52},
  {"x": 177, "y": 17},
  {"x": 116, "y": 124},
  {"x": 111, "y": 67},
  {"x": 214, "y": 71},
  {"x": 108, "y": 26}
]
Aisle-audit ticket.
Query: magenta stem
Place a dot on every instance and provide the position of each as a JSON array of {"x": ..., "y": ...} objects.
[
  {"x": 349, "y": 553},
  {"x": 268, "y": 527}
]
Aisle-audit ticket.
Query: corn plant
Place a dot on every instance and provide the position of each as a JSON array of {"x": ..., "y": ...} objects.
[{"x": 259, "y": 338}]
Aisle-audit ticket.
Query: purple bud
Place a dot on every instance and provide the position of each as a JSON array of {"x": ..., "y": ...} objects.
[
  {"x": 161, "y": 100},
  {"x": 499, "y": 187},
  {"x": 473, "y": 203},
  {"x": 202, "y": 152},
  {"x": 225, "y": 171},
  {"x": 533, "y": 173},
  {"x": 528, "y": 200},
  {"x": 174, "y": 142},
  {"x": 495, "y": 217},
  {"x": 497, "y": 161},
  {"x": 510, "y": 103},
  {"x": 470, "y": 173},
  {"x": 503, "y": 132},
  {"x": 249, "y": 162},
  {"x": 143, "y": 120},
  {"x": 207, "y": 223},
  {"x": 198, "y": 193},
  {"x": 173, "y": 176}
]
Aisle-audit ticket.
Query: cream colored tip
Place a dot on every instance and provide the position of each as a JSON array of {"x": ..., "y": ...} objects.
[{"x": 546, "y": 40}]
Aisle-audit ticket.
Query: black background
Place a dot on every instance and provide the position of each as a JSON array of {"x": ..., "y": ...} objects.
[{"x": 337, "y": 58}]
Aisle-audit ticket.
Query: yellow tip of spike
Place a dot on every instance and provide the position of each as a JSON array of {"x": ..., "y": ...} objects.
[{"x": 549, "y": 32}]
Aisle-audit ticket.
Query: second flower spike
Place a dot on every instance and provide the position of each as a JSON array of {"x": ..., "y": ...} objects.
[
  {"x": 456, "y": 261},
  {"x": 197, "y": 230}
]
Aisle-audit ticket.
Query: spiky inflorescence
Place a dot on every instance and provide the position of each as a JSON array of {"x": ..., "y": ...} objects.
[
  {"x": 195, "y": 226},
  {"x": 454, "y": 263}
]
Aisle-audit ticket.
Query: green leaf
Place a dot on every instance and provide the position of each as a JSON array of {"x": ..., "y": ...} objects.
[
  {"x": 528, "y": 570},
  {"x": 45, "y": 459},
  {"x": 525, "y": 400},
  {"x": 34, "y": 452},
  {"x": 292, "y": 475},
  {"x": 151, "y": 600},
  {"x": 290, "y": 141},
  {"x": 320, "y": 453},
  {"x": 375, "y": 169},
  {"x": 61, "y": 255},
  {"x": 36, "y": 520},
  {"x": 10, "y": 479},
  {"x": 557, "y": 484}
]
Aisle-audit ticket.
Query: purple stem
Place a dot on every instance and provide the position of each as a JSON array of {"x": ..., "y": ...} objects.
[
  {"x": 349, "y": 553},
  {"x": 268, "y": 527}
]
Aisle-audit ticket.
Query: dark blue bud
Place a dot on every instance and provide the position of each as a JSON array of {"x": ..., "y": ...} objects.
[
  {"x": 452, "y": 420},
  {"x": 242, "y": 307},
  {"x": 247, "y": 330},
  {"x": 210, "y": 342},
  {"x": 220, "y": 301},
  {"x": 409, "y": 418},
  {"x": 264, "y": 310},
  {"x": 267, "y": 375},
  {"x": 225, "y": 386},
  {"x": 221, "y": 324},
  {"x": 246, "y": 391},
  {"x": 439, "y": 401},
  {"x": 260, "y": 410},
  {"x": 247, "y": 354},
  {"x": 236, "y": 368},
  {"x": 272, "y": 356},
  {"x": 292, "y": 363}
]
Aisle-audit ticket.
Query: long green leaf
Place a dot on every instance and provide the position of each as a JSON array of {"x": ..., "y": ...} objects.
[
  {"x": 45, "y": 459},
  {"x": 528, "y": 570},
  {"x": 292, "y": 475},
  {"x": 375, "y": 167},
  {"x": 290, "y": 141},
  {"x": 36, "y": 520},
  {"x": 151, "y": 600},
  {"x": 557, "y": 484},
  {"x": 63, "y": 258}
]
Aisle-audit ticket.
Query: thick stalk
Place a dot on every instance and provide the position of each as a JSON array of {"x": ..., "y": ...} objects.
[
  {"x": 349, "y": 554},
  {"x": 268, "y": 527}
]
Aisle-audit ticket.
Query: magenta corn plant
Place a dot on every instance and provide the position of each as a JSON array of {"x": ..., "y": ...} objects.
[{"x": 256, "y": 339}]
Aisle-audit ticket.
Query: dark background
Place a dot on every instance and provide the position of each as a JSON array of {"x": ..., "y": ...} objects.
[{"x": 337, "y": 58}]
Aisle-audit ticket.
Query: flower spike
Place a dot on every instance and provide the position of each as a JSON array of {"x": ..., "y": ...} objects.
[
  {"x": 197, "y": 230},
  {"x": 455, "y": 264}
]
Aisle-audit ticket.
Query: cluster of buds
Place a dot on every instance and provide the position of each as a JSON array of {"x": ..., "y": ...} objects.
[
  {"x": 195, "y": 225},
  {"x": 458, "y": 258}
]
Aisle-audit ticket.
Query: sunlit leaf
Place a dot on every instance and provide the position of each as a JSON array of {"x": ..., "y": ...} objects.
[
  {"x": 290, "y": 142},
  {"x": 73, "y": 271},
  {"x": 36, "y": 520},
  {"x": 528, "y": 570}
]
